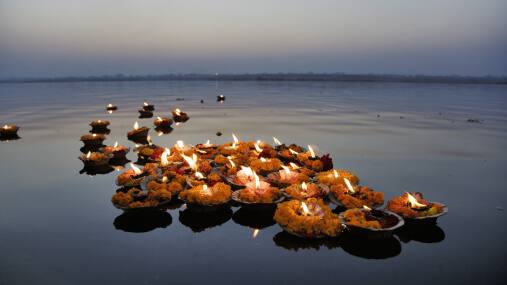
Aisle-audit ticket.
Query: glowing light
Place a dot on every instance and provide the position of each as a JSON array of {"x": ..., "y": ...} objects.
[
  {"x": 286, "y": 170},
  {"x": 263, "y": 159},
  {"x": 137, "y": 171},
  {"x": 145, "y": 104},
  {"x": 293, "y": 151},
  {"x": 192, "y": 161},
  {"x": 255, "y": 233},
  {"x": 257, "y": 147},
  {"x": 303, "y": 186},
  {"x": 159, "y": 119},
  {"x": 165, "y": 179},
  {"x": 236, "y": 140},
  {"x": 177, "y": 112},
  {"x": 312, "y": 153},
  {"x": 233, "y": 165},
  {"x": 257, "y": 181},
  {"x": 116, "y": 144},
  {"x": 136, "y": 125},
  {"x": 94, "y": 135},
  {"x": 413, "y": 202},
  {"x": 163, "y": 158},
  {"x": 88, "y": 155},
  {"x": 180, "y": 144},
  {"x": 349, "y": 186},
  {"x": 199, "y": 175},
  {"x": 335, "y": 173},
  {"x": 293, "y": 165},
  {"x": 277, "y": 141},
  {"x": 305, "y": 209}
]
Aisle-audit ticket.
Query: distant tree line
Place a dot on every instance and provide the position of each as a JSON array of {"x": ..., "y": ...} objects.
[{"x": 276, "y": 77}]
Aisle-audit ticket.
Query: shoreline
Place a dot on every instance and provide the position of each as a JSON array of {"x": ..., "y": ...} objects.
[{"x": 311, "y": 77}]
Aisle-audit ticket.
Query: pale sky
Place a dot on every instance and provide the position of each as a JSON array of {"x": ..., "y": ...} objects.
[{"x": 95, "y": 37}]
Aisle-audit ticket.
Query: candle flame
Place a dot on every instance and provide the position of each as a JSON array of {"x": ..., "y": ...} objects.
[
  {"x": 160, "y": 134},
  {"x": 293, "y": 151},
  {"x": 312, "y": 153},
  {"x": 159, "y": 119},
  {"x": 349, "y": 186},
  {"x": 207, "y": 142},
  {"x": 136, "y": 125},
  {"x": 110, "y": 105},
  {"x": 236, "y": 140},
  {"x": 263, "y": 159},
  {"x": 116, "y": 144},
  {"x": 293, "y": 165},
  {"x": 145, "y": 104},
  {"x": 99, "y": 121},
  {"x": 199, "y": 175},
  {"x": 192, "y": 161},
  {"x": 277, "y": 141},
  {"x": 88, "y": 154},
  {"x": 233, "y": 165},
  {"x": 163, "y": 158},
  {"x": 6, "y": 127},
  {"x": 177, "y": 112},
  {"x": 257, "y": 181},
  {"x": 413, "y": 202},
  {"x": 286, "y": 170},
  {"x": 206, "y": 190},
  {"x": 137, "y": 171},
  {"x": 148, "y": 139},
  {"x": 335, "y": 173},
  {"x": 180, "y": 144},
  {"x": 255, "y": 233},
  {"x": 257, "y": 147},
  {"x": 94, "y": 135},
  {"x": 366, "y": 208},
  {"x": 305, "y": 209},
  {"x": 303, "y": 186}
]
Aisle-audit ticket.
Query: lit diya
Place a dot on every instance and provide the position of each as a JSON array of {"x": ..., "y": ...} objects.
[
  {"x": 94, "y": 158},
  {"x": 116, "y": 151},
  {"x": 353, "y": 196},
  {"x": 149, "y": 152},
  {"x": 220, "y": 98},
  {"x": 206, "y": 146},
  {"x": 140, "y": 199},
  {"x": 131, "y": 177},
  {"x": 99, "y": 125},
  {"x": 163, "y": 122},
  {"x": 370, "y": 222},
  {"x": 179, "y": 116},
  {"x": 204, "y": 195},
  {"x": 148, "y": 107},
  {"x": 287, "y": 176},
  {"x": 143, "y": 114},
  {"x": 240, "y": 178},
  {"x": 110, "y": 108},
  {"x": 265, "y": 165},
  {"x": 138, "y": 133},
  {"x": 93, "y": 139},
  {"x": 414, "y": 207},
  {"x": 172, "y": 186},
  {"x": 9, "y": 131},
  {"x": 196, "y": 179},
  {"x": 310, "y": 218},
  {"x": 258, "y": 192},
  {"x": 336, "y": 176},
  {"x": 306, "y": 190}
]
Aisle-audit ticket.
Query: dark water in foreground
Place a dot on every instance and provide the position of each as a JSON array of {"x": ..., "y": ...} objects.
[{"x": 58, "y": 226}]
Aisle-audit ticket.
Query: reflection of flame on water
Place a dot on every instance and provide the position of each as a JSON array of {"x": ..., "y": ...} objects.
[
  {"x": 413, "y": 203},
  {"x": 255, "y": 233}
]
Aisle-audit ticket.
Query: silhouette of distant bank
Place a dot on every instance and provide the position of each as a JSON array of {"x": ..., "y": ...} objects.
[{"x": 276, "y": 77}]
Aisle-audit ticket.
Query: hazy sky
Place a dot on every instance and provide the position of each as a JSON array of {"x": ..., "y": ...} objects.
[{"x": 90, "y": 37}]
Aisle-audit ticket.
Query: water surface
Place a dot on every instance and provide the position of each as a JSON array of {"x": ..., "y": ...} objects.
[{"x": 58, "y": 226}]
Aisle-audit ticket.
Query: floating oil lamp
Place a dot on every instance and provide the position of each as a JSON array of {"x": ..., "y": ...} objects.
[
  {"x": 350, "y": 196},
  {"x": 181, "y": 147},
  {"x": 414, "y": 208},
  {"x": 163, "y": 122},
  {"x": 371, "y": 223},
  {"x": 144, "y": 114},
  {"x": 179, "y": 116},
  {"x": 138, "y": 133},
  {"x": 206, "y": 146},
  {"x": 99, "y": 125},
  {"x": 257, "y": 186},
  {"x": 94, "y": 158},
  {"x": 258, "y": 193},
  {"x": 310, "y": 218},
  {"x": 9, "y": 131},
  {"x": 220, "y": 98},
  {"x": 148, "y": 107},
  {"x": 204, "y": 195},
  {"x": 306, "y": 190},
  {"x": 131, "y": 177},
  {"x": 90, "y": 140},
  {"x": 286, "y": 177},
  {"x": 117, "y": 151},
  {"x": 111, "y": 108}
]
